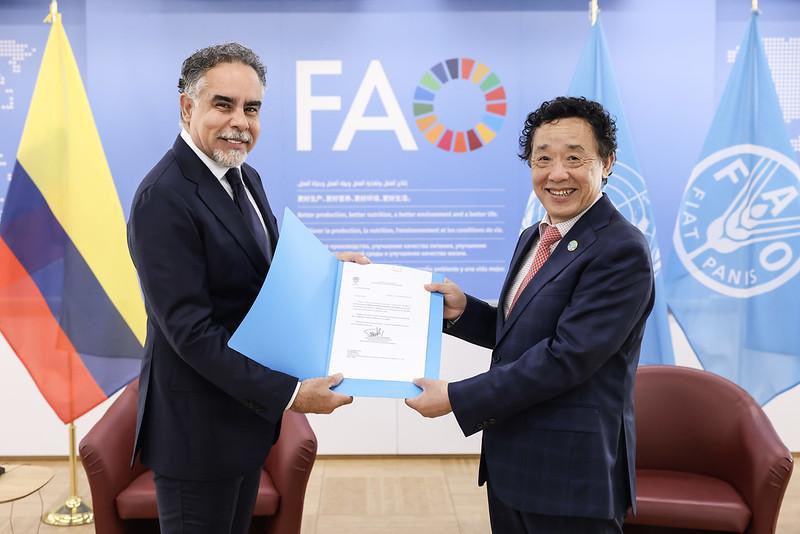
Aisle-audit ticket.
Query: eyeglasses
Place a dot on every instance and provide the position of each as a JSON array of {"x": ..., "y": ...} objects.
[{"x": 572, "y": 161}]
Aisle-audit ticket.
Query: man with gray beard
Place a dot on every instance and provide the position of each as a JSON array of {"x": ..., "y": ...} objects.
[{"x": 202, "y": 236}]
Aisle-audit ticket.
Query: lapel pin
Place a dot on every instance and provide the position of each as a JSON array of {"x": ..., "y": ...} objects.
[{"x": 572, "y": 245}]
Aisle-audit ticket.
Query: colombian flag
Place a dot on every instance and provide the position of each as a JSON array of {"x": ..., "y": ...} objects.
[{"x": 70, "y": 304}]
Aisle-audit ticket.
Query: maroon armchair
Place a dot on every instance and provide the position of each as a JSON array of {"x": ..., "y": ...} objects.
[
  {"x": 708, "y": 459},
  {"x": 124, "y": 498}
]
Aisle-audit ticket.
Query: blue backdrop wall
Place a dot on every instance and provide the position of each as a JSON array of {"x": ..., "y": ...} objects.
[{"x": 353, "y": 86}]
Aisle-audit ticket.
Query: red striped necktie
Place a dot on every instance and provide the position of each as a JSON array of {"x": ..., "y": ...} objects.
[{"x": 551, "y": 235}]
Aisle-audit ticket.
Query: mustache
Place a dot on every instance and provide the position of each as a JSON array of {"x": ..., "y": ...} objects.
[{"x": 243, "y": 137}]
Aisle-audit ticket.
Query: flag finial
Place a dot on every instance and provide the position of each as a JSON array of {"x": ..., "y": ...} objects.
[
  {"x": 755, "y": 5},
  {"x": 594, "y": 10},
  {"x": 51, "y": 17}
]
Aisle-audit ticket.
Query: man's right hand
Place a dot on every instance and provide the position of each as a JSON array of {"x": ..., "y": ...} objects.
[
  {"x": 315, "y": 395},
  {"x": 455, "y": 301}
]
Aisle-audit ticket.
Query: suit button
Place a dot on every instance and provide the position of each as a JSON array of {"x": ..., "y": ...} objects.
[
  {"x": 495, "y": 358},
  {"x": 491, "y": 421}
]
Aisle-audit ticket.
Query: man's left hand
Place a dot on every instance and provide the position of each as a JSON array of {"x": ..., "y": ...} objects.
[
  {"x": 433, "y": 401},
  {"x": 355, "y": 257}
]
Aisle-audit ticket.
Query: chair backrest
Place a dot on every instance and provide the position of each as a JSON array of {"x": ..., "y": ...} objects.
[
  {"x": 696, "y": 421},
  {"x": 690, "y": 420},
  {"x": 106, "y": 454},
  {"x": 113, "y": 434}
]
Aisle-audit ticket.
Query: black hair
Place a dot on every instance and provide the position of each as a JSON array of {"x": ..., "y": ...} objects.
[{"x": 603, "y": 125}]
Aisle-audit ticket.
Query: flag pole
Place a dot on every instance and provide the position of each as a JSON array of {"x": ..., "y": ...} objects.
[
  {"x": 594, "y": 10},
  {"x": 51, "y": 17},
  {"x": 74, "y": 511}
]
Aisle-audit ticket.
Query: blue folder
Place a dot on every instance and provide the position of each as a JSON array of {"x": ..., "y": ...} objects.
[{"x": 289, "y": 328}]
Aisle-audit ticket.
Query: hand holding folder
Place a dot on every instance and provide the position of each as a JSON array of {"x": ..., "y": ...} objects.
[
  {"x": 316, "y": 316},
  {"x": 315, "y": 395}
]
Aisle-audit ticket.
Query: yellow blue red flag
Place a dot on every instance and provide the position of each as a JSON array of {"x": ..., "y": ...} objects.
[{"x": 70, "y": 305}]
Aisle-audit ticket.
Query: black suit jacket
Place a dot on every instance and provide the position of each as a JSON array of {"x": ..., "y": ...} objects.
[
  {"x": 205, "y": 411},
  {"x": 556, "y": 405}
]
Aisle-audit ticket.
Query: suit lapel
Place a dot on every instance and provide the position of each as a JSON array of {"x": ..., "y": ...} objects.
[
  {"x": 584, "y": 234},
  {"x": 217, "y": 200},
  {"x": 523, "y": 246}
]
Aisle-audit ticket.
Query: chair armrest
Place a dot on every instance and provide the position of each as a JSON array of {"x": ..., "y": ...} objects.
[
  {"x": 764, "y": 472},
  {"x": 105, "y": 454},
  {"x": 289, "y": 465}
]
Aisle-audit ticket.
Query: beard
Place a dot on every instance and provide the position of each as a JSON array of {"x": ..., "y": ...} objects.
[{"x": 231, "y": 158}]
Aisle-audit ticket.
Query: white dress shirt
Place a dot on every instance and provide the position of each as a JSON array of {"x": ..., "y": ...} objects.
[{"x": 219, "y": 170}]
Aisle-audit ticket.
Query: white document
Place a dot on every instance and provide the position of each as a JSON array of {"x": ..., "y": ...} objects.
[{"x": 381, "y": 328}]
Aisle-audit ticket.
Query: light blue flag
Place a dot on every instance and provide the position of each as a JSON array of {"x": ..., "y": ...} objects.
[
  {"x": 594, "y": 79},
  {"x": 733, "y": 278}
]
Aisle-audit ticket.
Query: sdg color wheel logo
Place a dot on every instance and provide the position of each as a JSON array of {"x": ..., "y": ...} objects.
[
  {"x": 429, "y": 92},
  {"x": 738, "y": 230}
]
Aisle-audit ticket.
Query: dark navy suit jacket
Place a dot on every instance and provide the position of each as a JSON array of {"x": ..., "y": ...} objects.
[
  {"x": 556, "y": 405},
  {"x": 205, "y": 411}
]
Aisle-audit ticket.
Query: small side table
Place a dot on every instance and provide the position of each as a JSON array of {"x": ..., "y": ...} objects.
[{"x": 19, "y": 481}]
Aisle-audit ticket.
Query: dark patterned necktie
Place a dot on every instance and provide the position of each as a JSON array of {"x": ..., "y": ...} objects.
[{"x": 248, "y": 211}]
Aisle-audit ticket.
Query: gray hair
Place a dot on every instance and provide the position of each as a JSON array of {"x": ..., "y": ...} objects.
[{"x": 194, "y": 68}]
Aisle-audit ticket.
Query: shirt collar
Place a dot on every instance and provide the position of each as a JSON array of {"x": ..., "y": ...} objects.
[
  {"x": 217, "y": 169},
  {"x": 565, "y": 226}
]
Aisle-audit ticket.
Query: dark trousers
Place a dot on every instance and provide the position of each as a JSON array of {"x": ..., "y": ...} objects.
[
  {"x": 505, "y": 520},
  {"x": 206, "y": 507}
]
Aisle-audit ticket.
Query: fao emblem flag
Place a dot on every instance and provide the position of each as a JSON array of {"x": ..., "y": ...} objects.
[
  {"x": 733, "y": 278},
  {"x": 626, "y": 188}
]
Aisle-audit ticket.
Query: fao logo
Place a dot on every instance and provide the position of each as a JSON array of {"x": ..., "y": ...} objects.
[{"x": 738, "y": 230}]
